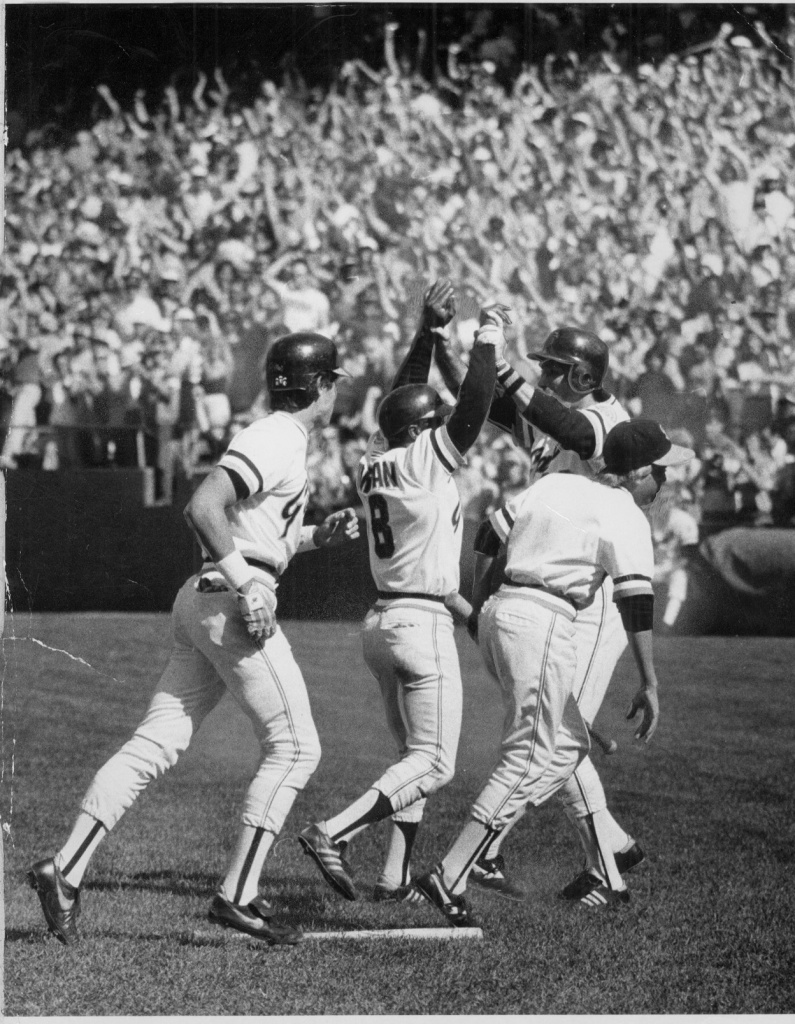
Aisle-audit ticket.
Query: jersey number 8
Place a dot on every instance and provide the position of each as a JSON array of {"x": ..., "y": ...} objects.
[{"x": 383, "y": 540}]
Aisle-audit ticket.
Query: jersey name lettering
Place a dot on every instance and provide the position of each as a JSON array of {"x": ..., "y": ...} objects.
[{"x": 378, "y": 475}]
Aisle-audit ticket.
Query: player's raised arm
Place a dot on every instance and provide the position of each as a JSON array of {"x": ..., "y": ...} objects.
[
  {"x": 438, "y": 309},
  {"x": 477, "y": 390},
  {"x": 573, "y": 365},
  {"x": 452, "y": 369}
]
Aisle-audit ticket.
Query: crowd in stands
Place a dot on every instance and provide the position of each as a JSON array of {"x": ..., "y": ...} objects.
[{"x": 151, "y": 260}]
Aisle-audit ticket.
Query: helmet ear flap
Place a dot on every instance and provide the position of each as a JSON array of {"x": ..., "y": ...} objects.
[{"x": 581, "y": 380}]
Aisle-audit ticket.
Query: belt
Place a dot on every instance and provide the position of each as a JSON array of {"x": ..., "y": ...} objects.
[
  {"x": 393, "y": 594},
  {"x": 255, "y": 563},
  {"x": 545, "y": 590}
]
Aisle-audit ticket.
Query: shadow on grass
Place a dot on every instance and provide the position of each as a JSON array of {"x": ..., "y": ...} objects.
[
  {"x": 171, "y": 881},
  {"x": 29, "y": 936}
]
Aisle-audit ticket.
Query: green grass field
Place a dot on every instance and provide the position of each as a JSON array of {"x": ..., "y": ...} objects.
[{"x": 711, "y": 928}]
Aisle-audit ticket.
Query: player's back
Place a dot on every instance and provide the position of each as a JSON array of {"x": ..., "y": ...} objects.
[
  {"x": 565, "y": 533},
  {"x": 413, "y": 514},
  {"x": 267, "y": 463}
]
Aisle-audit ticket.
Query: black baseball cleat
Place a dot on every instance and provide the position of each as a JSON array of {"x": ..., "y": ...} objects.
[
  {"x": 255, "y": 919},
  {"x": 453, "y": 908},
  {"x": 60, "y": 901},
  {"x": 587, "y": 881},
  {"x": 398, "y": 894},
  {"x": 592, "y": 891},
  {"x": 326, "y": 854},
  {"x": 630, "y": 858},
  {"x": 603, "y": 896},
  {"x": 490, "y": 874}
]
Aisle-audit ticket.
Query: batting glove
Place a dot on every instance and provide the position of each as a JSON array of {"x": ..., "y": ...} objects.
[
  {"x": 491, "y": 334},
  {"x": 257, "y": 604}
]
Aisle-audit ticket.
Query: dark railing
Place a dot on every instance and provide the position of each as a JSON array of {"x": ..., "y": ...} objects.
[{"x": 59, "y": 447}]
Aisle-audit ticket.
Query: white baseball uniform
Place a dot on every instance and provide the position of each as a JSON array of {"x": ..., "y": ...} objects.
[
  {"x": 599, "y": 632},
  {"x": 213, "y": 652},
  {"x": 565, "y": 534},
  {"x": 414, "y": 530}
]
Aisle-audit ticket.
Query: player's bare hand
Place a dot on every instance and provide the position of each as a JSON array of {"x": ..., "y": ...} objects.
[
  {"x": 438, "y": 304},
  {"x": 497, "y": 314},
  {"x": 257, "y": 604},
  {"x": 647, "y": 702},
  {"x": 337, "y": 528}
]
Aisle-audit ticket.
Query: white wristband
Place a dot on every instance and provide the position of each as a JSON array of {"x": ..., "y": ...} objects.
[{"x": 235, "y": 570}]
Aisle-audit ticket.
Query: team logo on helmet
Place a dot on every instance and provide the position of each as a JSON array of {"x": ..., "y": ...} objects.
[{"x": 296, "y": 361}]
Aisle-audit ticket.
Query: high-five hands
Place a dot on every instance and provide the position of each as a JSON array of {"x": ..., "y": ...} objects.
[
  {"x": 438, "y": 304},
  {"x": 493, "y": 320}
]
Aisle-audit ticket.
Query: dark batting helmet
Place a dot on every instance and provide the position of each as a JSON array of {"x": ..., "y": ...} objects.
[
  {"x": 411, "y": 404},
  {"x": 295, "y": 361},
  {"x": 585, "y": 354}
]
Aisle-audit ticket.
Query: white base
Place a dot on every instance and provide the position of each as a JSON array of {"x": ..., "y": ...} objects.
[{"x": 217, "y": 935}]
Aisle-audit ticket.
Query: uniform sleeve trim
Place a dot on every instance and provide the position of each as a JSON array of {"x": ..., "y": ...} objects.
[
  {"x": 631, "y": 576},
  {"x": 502, "y": 521},
  {"x": 598, "y": 415},
  {"x": 446, "y": 457},
  {"x": 241, "y": 487},
  {"x": 249, "y": 465}
]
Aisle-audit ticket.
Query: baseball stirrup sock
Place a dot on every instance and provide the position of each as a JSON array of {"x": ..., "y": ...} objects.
[
  {"x": 491, "y": 851},
  {"x": 241, "y": 884},
  {"x": 607, "y": 860},
  {"x": 73, "y": 858},
  {"x": 402, "y": 835},
  {"x": 371, "y": 807},
  {"x": 475, "y": 837}
]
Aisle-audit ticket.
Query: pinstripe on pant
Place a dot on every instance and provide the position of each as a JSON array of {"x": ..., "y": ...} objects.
[
  {"x": 212, "y": 653},
  {"x": 527, "y": 641},
  {"x": 410, "y": 649}
]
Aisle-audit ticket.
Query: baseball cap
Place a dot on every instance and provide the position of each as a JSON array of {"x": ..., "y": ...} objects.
[{"x": 639, "y": 443}]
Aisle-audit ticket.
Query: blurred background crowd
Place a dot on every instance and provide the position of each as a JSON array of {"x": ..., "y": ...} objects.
[{"x": 152, "y": 255}]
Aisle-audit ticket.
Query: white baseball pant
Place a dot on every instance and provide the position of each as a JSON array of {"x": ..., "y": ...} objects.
[
  {"x": 211, "y": 652},
  {"x": 527, "y": 638},
  {"x": 600, "y": 640},
  {"x": 409, "y": 647}
]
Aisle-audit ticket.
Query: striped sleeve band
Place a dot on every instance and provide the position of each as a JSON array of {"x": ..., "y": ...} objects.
[
  {"x": 445, "y": 450},
  {"x": 599, "y": 428},
  {"x": 502, "y": 521},
  {"x": 515, "y": 386},
  {"x": 631, "y": 584},
  {"x": 245, "y": 469}
]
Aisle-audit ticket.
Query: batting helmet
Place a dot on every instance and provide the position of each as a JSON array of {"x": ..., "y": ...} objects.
[
  {"x": 408, "y": 405},
  {"x": 585, "y": 354},
  {"x": 295, "y": 361}
]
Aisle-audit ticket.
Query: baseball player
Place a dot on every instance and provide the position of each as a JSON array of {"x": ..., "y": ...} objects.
[
  {"x": 414, "y": 529},
  {"x": 563, "y": 423},
  {"x": 563, "y": 535},
  {"x": 247, "y": 515}
]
